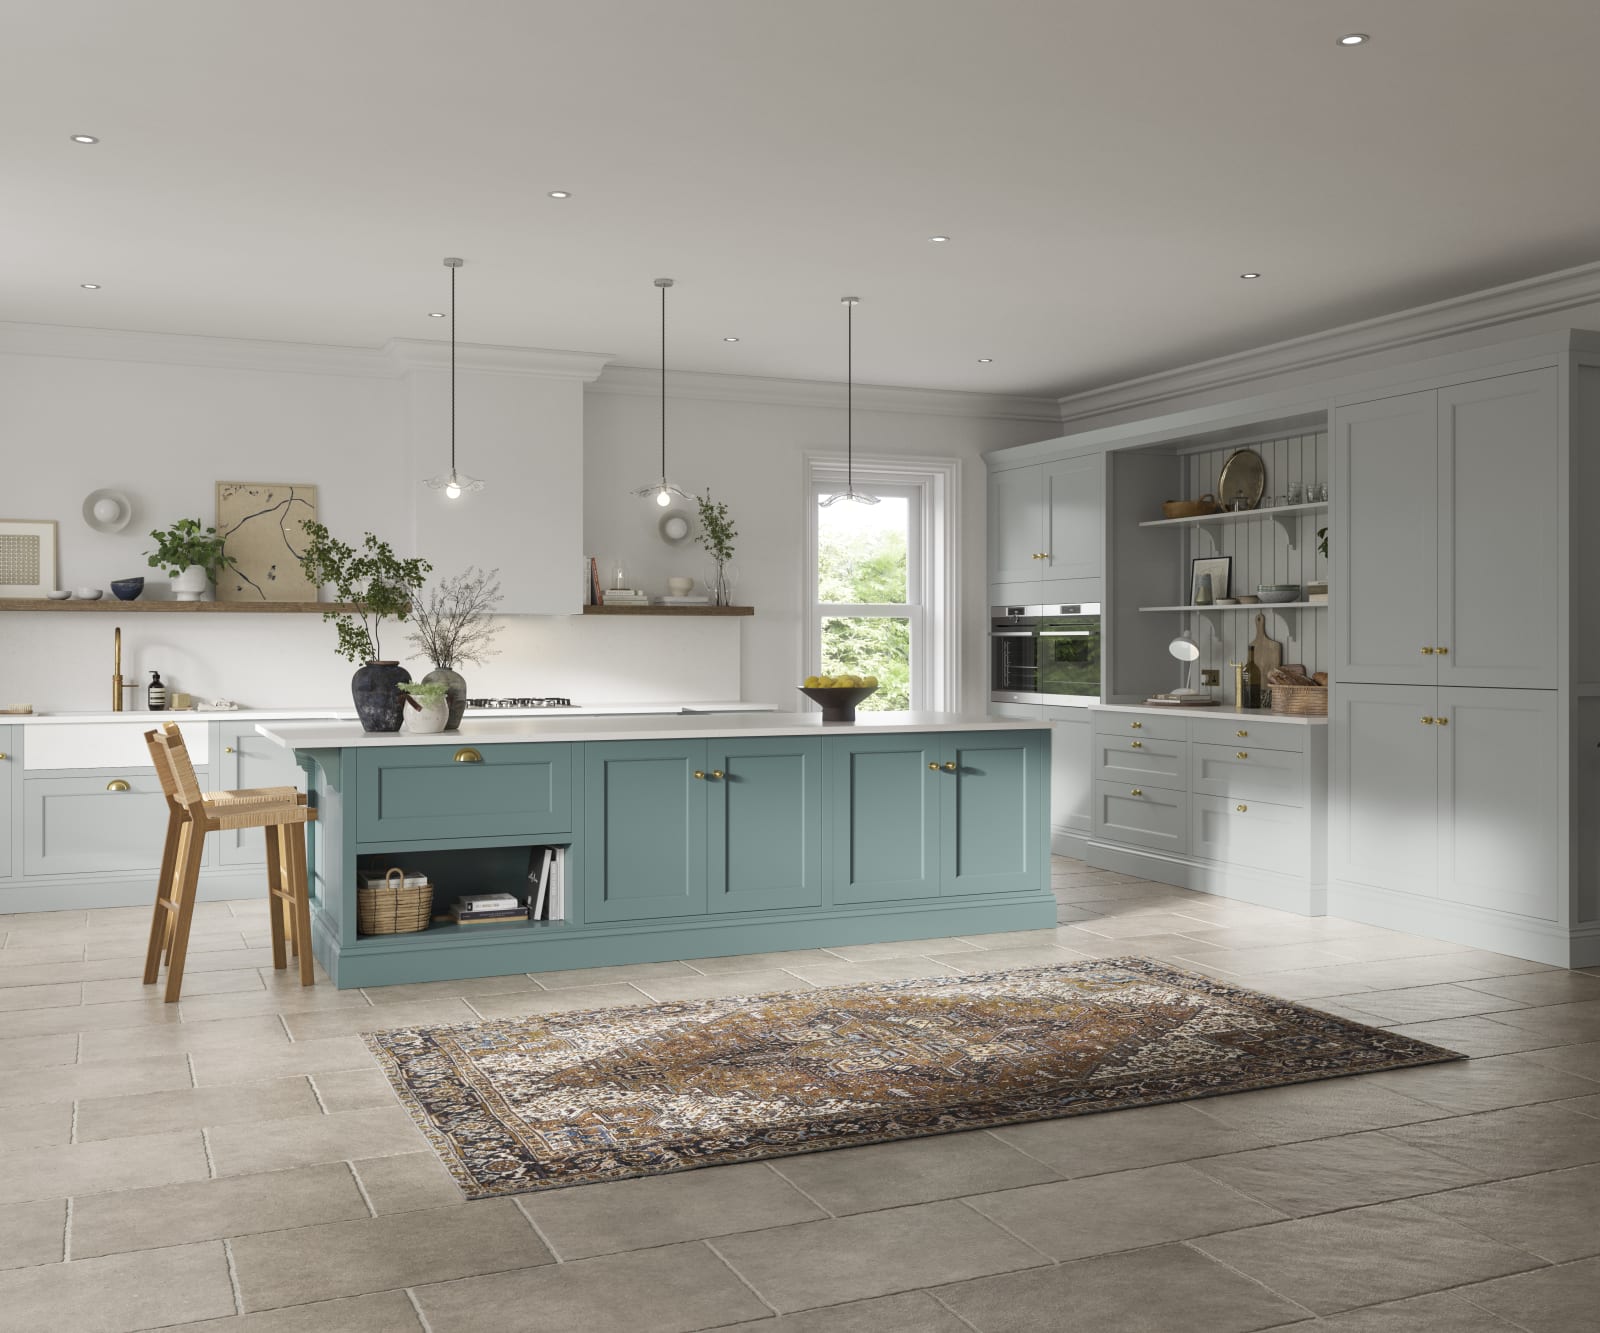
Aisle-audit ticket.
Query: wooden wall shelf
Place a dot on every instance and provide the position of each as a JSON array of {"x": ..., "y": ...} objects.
[
  {"x": 183, "y": 608},
  {"x": 669, "y": 610}
]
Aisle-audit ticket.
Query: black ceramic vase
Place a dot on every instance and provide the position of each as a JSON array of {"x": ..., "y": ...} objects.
[
  {"x": 376, "y": 690},
  {"x": 455, "y": 691}
]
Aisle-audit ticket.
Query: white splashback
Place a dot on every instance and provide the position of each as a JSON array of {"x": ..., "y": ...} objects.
[{"x": 1261, "y": 554}]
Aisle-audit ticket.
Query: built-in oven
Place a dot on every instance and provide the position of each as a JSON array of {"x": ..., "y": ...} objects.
[
  {"x": 1014, "y": 655},
  {"x": 1069, "y": 654}
]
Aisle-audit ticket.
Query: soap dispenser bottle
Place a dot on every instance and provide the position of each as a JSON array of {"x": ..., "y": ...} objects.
[{"x": 156, "y": 693}]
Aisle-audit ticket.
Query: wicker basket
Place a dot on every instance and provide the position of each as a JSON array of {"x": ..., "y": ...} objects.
[
  {"x": 393, "y": 907},
  {"x": 1206, "y": 504},
  {"x": 1300, "y": 700}
]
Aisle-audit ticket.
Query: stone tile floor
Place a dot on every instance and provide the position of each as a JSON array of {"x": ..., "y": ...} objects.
[{"x": 236, "y": 1164}]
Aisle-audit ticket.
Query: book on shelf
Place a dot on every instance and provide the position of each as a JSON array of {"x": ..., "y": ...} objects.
[
  {"x": 625, "y": 597},
  {"x": 547, "y": 884},
  {"x": 682, "y": 601}
]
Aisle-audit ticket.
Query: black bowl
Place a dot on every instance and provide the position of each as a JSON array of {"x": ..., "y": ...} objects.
[
  {"x": 127, "y": 590},
  {"x": 838, "y": 701}
]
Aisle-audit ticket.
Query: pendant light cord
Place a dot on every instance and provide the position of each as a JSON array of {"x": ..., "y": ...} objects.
[
  {"x": 452, "y": 374},
  {"x": 850, "y": 396},
  {"x": 663, "y": 388}
]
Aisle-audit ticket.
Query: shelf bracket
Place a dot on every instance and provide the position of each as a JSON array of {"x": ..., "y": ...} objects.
[{"x": 1289, "y": 525}]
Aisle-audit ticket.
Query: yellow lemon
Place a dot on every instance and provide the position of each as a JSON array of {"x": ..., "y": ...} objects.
[
  {"x": 811, "y": 682},
  {"x": 870, "y": 682},
  {"x": 824, "y": 682}
]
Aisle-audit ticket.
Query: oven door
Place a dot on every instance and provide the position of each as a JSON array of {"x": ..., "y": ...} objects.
[
  {"x": 1014, "y": 665},
  {"x": 1069, "y": 660}
]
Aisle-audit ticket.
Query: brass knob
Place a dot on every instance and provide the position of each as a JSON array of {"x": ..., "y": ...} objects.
[
  {"x": 467, "y": 755},
  {"x": 227, "y": 749},
  {"x": 118, "y": 784},
  {"x": 1136, "y": 725},
  {"x": 1444, "y": 721},
  {"x": 1138, "y": 745},
  {"x": 717, "y": 774},
  {"x": 699, "y": 775},
  {"x": 1241, "y": 734},
  {"x": 1136, "y": 791},
  {"x": 1427, "y": 652},
  {"x": 933, "y": 767},
  {"x": 1427, "y": 721},
  {"x": 1443, "y": 652},
  {"x": 950, "y": 766},
  {"x": 1241, "y": 808},
  {"x": 4, "y": 755}
]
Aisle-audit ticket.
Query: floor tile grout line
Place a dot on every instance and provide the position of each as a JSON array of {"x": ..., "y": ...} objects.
[
  {"x": 233, "y": 1277},
  {"x": 973, "y": 1208},
  {"x": 1248, "y": 1277},
  {"x": 739, "y": 1277},
  {"x": 538, "y": 1231},
  {"x": 316, "y": 1091},
  {"x": 416, "y": 1306},
  {"x": 954, "y": 1314},
  {"x": 361, "y": 1187},
  {"x": 66, "y": 1234},
  {"x": 772, "y": 1166},
  {"x": 72, "y": 1130}
]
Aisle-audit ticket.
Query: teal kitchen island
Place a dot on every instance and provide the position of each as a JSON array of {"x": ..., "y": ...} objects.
[{"x": 681, "y": 837}]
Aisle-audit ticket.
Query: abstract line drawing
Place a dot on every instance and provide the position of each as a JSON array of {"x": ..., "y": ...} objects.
[{"x": 262, "y": 528}]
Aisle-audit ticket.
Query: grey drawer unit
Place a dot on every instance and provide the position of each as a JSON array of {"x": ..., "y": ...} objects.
[
  {"x": 1142, "y": 816},
  {"x": 8, "y": 769},
  {"x": 1260, "y": 732},
  {"x": 81, "y": 825},
  {"x": 1148, "y": 725},
  {"x": 248, "y": 759},
  {"x": 1247, "y": 774},
  {"x": 1141, "y": 760},
  {"x": 1259, "y": 834}
]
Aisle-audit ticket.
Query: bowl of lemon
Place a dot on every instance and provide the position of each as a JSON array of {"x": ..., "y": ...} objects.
[{"x": 839, "y": 695}]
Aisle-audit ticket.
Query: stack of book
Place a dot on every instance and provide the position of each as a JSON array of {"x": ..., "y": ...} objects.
[
  {"x": 624, "y": 597},
  {"x": 692, "y": 600},
  {"x": 474, "y": 907}
]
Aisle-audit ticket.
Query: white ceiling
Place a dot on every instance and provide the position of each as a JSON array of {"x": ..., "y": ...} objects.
[{"x": 296, "y": 169}]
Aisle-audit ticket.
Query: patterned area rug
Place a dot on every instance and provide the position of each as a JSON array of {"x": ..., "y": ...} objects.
[{"x": 549, "y": 1100}]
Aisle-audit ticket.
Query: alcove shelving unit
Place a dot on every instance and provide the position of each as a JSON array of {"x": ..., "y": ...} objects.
[
  {"x": 669, "y": 610},
  {"x": 106, "y": 604}
]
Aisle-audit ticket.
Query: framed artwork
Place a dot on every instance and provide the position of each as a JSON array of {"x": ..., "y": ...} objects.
[
  {"x": 1209, "y": 579},
  {"x": 261, "y": 526},
  {"x": 27, "y": 557}
]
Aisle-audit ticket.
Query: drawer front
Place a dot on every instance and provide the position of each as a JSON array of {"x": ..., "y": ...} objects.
[
  {"x": 428, "y": 794},
  {"x": 85, "y": 825},
  {"x": 1142, "y": 761},
  {"x": 1236, "y": 731},
  {"x": 1150, "y": 817},
  {"x": 1250, "y": 833},
  {"x": 1152, "y": 726},
  {"x": 108, "y": 744},
  {"x": 1247, "y": 774}
]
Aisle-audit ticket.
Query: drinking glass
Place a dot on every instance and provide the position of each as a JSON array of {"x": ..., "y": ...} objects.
[{"x": 1297, "y": 494}]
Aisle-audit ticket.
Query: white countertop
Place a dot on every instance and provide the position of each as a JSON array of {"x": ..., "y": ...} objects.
[
  {"x": 347, "y": 713},
  {"x": 505, "y": 731},
  {"x": 1218, "y": 710}
]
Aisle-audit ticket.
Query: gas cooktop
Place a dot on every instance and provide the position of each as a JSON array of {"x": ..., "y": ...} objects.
[{"x": 552, "y": 701}]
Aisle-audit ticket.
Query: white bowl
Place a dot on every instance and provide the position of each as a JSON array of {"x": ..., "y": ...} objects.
[
  {"x": 1278, "y": 594},
  {"x": 87, "y": 594},
  {"x": 59, "y": 595}
]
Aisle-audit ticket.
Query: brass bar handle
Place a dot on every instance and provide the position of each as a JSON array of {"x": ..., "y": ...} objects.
[
  {"x": 1137, "y": 745},
  {"x": 1136, "y": 791},
  {"x": 1427, "y": 721},
  {"x": 1443, "y": 652},
  {"x": 950, "y": 766},
  {"x": 118, "y": 784},
  {"x": 699, "y": 775},
  {"x": 717, "y": 774},
  {"x": 467, "y": 755},
  {"x": 1241, "y": 754},
  {"x": 1443, "y": 721},
  {"x": 1241, "y": 808}
]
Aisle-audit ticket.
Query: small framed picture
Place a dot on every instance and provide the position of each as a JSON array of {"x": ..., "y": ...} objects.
[
  {"x": 1209, "y": 579},
  {"x": 27, "y": 557}
]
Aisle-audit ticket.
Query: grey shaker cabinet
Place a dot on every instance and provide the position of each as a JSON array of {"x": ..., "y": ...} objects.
[
  {"x": 247, "y": 759},
  {"x": 8, "y": 768},
  {"x": 97, "y": 823}
]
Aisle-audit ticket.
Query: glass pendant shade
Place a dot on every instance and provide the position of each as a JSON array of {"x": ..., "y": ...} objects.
[
  {"x": 661, "y": 490},
  {"x": 453, "y": 483},
  {"x": 849, "y": 492}
]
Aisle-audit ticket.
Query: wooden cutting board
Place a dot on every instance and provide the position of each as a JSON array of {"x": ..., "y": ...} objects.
[{"x": 1269, "y": 652}]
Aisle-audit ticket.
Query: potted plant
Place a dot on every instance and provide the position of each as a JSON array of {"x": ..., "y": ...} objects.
[
  {"x": 191, "y": 554},
  {"x": 716, "y": 536},
  {"x": 382, "y": 586},
  {"x": 430, "y": 699},
  {"x": 455, "y": 625}
]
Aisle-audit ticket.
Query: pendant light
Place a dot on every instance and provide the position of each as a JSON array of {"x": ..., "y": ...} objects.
[
  {"x": 454, "y": 482},
  {"x": 662, "y": 490},
  {"x": 849, "y": 492}
]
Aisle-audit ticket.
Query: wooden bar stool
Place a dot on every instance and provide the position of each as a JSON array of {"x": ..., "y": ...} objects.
[{"x": 191, "y": 814}]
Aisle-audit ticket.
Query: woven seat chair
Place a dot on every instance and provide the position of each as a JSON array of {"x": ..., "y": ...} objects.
[{"x": 191, "y": 814}]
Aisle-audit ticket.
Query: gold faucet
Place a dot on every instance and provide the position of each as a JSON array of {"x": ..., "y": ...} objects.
[{"x": 116, "y": 669}]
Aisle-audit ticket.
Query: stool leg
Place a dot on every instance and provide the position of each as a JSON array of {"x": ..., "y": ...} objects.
[
  {"x": 275, "y": 885},
  {"x": 195, "y": 851},
  {"x": 160, "y": 915},
  {"x": 302, "y": 902}
]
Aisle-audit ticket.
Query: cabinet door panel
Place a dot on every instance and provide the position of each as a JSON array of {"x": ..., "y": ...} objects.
[
  {"x": 1499, "y": 760},
  {"x": 645, "y": 815},
  {"x": 1277, "y": 776},
  {"x": 78, "y": 826},
  {"x": 885, "y": 826},
  {"x": 1249, "y": 833},
  {"x": 1074, "y": 522},
  {"x": 764, "y": 824},
  {"x": 1016, "y": 525},
  {"x": 1142, "y": 816},
  {"x": 993, "y": 812},
  {"x": 1385, "y": 787},
  {"x": 1071, "y": 769},
  {"x": 422, "y": 793},
  {"x": 250, "y": 760},
  {"x": 1142, "y": 761},
  {"x": 1500, "y": 507},
  {"x": 8, "y": 767},
  {"x": 1385, "y": 544}
]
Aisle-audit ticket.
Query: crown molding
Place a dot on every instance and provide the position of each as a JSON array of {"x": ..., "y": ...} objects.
[
  {"x": 1549, "y": 293},
  {"x": 408, "y": 354},
  {"x": 645, "y": 382}
]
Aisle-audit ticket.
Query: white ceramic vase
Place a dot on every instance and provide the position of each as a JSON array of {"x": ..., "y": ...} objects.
[
  {"x": 429, "y": 717},
  {"x": 190, "y": 586}
]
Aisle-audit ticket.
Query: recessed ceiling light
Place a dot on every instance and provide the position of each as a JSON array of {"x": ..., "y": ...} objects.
[
  {"x": 561, "y": 194},
  {"x": 937, "y": 240},
  {"x": 1248, "y": 276},
  {"x": 84, "y": 138},
  {"x": 730, "y": 340},
  {"x": 436, "y": 314},
  {"x": 90, "y": 286},
  {"x": 1354, "y": 39},
  {"x": 985, "y": 360}
]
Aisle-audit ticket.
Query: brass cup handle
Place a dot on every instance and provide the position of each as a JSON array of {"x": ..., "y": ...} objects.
[
  {"x": 699, "y": 775},
  {"x": 467, "y": 755},
  {"x": 1241, "y": 808},
  {"x": 949, "y": 766},
  {"x": 1137, "y": 745},
  {"x": 1136, "y": 725},
  {"x": 1241, "y": 734},
  {"x": 118, "y": 784},
  {"x": 1241, "y": 754},
  {"x": 1136, "y": 791}
]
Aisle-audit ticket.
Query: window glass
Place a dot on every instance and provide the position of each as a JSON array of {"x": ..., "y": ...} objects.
[
  {"x": 862, "y": 552},
  {"x": 871, "y": 646}
]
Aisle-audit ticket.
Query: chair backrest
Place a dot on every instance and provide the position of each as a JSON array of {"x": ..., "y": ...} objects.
[{"x": 173, "y": 767}]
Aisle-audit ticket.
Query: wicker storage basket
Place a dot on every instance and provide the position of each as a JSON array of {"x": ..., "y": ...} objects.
[
  {"x": 393, "y": 907},
  {"x": 1300, "y": 700},
  {"x": 1206, "y": 504}
]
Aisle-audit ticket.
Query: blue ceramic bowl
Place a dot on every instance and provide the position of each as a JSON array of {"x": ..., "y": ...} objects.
[{"x": 127, "y": 589}]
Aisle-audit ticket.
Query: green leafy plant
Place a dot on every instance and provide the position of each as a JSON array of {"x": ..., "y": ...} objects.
[
  {"x": 425, "y": 691},
  {"x": 1322, "y": 542},
  {"x": 716, "y": 528},
  {"x": 379, "y": 583},
  {"x": 187, "y": 543}
]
